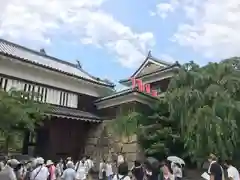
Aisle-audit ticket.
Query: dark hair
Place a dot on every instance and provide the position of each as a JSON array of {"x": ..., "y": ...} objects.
[
  {"x": 123, "y": 169},
  {"x": 228, "y": 162},
  {"x": 163, "y": 163},
  {"x": 18, "y": 167},
  {"x": 137, "y": 163},
  {"x": 213, "y": 157},
  {"x": 178, "y": 165}
]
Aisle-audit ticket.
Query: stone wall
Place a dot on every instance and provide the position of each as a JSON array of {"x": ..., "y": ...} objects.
[{"x": 103, "y": 143}]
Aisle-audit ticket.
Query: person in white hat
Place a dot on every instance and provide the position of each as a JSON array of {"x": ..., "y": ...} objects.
[
  {"x": 9, "y": 170},
  {"x": 41, "y": 171},
  {"x": 51, "y": 169}
]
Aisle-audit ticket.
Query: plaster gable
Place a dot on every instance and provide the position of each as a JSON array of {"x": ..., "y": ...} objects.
[
  {"x": 149, "y": 68},
  {"x": 150, "y": 65}
]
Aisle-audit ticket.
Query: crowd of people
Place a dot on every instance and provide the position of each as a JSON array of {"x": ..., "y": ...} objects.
[
  {"x": 216, "y": 169},
  {"x": 141, "y": 171},
  {"x": 39, "y": 169}
]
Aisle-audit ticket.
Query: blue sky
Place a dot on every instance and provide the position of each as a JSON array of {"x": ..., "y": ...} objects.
[
  {"x": 140, "y": 20},
  {"x": 114, "y": 45}
]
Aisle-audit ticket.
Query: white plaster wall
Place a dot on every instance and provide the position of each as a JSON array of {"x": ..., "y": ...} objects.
[
  {"x": 158, "y": 77},
  {"x": 34, "y": 73}
]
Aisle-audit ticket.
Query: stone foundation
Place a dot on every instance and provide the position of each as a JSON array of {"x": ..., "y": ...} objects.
[{"x": 102, "y": 143}]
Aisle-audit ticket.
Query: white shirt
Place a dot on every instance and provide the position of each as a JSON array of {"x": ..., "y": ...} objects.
[
  {"x": 109, "y": 170},
  {"x": 233, "y": 173},
  {"x": 59, "y": 169},
  {"x": 40, "y": 173},
  {"x": 8, "y": 173},
  {"x": 88, "y": 164},
  {"x": 81, "y": 172},
  {"x": 120, "y": 159},
  {"x": 102, "y": 168},
  {"x": 1, "y": 165},
  {"x": 177, "y": 172}
]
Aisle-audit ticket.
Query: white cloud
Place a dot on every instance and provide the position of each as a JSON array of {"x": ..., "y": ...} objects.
[
  {"x": 81, "y": 20},
  {"x": 164, "y": 9},
  {"x": 212, "y": 27}
]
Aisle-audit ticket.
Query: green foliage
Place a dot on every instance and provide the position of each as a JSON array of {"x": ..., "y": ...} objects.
[
  {"x": 127, "y": 125},
  {"x": 158, "y": 134},
  {"x": 205, "y": 101},
  {"x": 11, "y": 142},
  {"x": 201, "y": 108},
  {"x": 19, "y": 110}
]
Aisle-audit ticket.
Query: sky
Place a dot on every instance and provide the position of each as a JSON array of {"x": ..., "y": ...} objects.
[{"x": 111, "y": 38}]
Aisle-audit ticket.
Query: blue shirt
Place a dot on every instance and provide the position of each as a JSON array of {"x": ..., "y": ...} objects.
[{"x": 69, "y": 174}]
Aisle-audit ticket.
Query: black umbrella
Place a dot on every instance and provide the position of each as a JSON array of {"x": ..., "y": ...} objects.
[{"x": 152, "y": 163}]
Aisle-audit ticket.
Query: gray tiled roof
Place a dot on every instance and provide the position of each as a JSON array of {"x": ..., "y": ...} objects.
[
  {"x": 119, "y": 93},
  {"x": 175, "y": 65},
  {"x": 123, "y": 92},
  {"x": 73, "y": 114},
  {"x": 38, "y": 58}
]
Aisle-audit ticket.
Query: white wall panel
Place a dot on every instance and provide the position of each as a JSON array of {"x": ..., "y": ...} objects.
[{"x": 48, "y": 95}]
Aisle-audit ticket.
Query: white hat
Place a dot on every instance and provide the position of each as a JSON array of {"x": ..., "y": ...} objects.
[
  {"x": 49, "y": 162},
  {"x": 13, "y": 162},
  {"x": 39, "y": 160}
]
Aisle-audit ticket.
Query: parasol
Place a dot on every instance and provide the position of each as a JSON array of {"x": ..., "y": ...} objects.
[{"x": 176, "y": 159}]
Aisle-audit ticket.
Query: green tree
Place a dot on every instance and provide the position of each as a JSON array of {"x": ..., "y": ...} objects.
[
  {"x": 19, "y": 111},
  {"x": 158, "y": 134},
  {"x": 205, "y": 101},
  {"x": 127, "y": 124},
  {"x": 203, "y": 105}
]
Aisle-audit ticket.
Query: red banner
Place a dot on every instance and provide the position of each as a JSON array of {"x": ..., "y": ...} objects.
[{"x": 137, "y": 83}]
